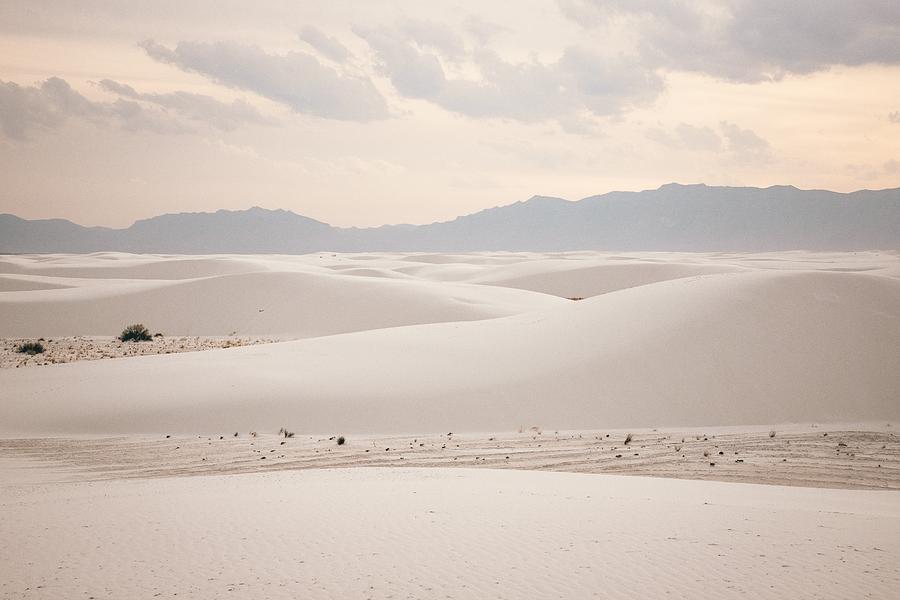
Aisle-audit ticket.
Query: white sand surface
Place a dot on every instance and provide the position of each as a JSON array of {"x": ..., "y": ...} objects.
[
  {"x": 525, "y": 394},
  {"x": 439, "y": 533},
  {"x": 323, "y": 294},
  {"x": 768, "y": 345},
  {"x": 261, "y": 303}
]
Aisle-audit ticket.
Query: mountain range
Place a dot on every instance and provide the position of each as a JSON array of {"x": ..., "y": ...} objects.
[{"x": 673, "y": 217}]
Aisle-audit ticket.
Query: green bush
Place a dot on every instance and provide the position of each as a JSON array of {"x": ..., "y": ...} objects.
[
  {"x": 135, "y": 333},
  {"x": 31, "y": 348}
]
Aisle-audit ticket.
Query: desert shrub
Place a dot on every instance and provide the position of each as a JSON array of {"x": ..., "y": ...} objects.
[
  {"x": 771, "y": 434},
  {"x": 135, "y": 333},
  {"x": 31, "y": 348},
  {"x": 628, "y": 439},
  {"x": 283, "y": 431},
  {"x": 341, "y": 440}
]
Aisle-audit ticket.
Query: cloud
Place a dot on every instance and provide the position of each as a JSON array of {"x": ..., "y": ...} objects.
[
  {"x": 702, "y": 139},
  {"x": 24, "y": 109},
  {"x": 742, "y": 144},
  {"x": 607, "y": 84},
  {"x": 131, "y": 116},
  {"x": 413, "y": 73},
  {"x": 428, "y": 34},
  {"x": 296, "y": 79},
  {"x": 197, "y": 107},
  {"x": 751, "y": 40},
  {"x": 894, "y": 117},
  {"x": 892, "y": 167},
  {"x": 580, "y": 80},
  {"x": 328, "y": 47},
  {"x": 745, "y": 144},
  {"x": 481, "y": 30},
  {"x": 48, "y": 106},
  {"x": 688, "y": 137}
]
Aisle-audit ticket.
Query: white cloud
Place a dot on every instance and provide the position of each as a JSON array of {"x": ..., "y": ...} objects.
[
  {"x": 751, "y": 40},
  {"x": 702, "y": 139},
  {"x": 740, "y": 143},
  {"x": 49, "y": 105},
  {"x": 745, "y": 144},
  {"x": 413, "y": 73},
  {"x": 580, "y": 80},
  {"x": 328, "y": 47},
  {"x": 197, "y": 107},
  {"x": 428, "y": 34},
  {"x": 481, "y": 29},
  {"x": 296, "y": 79}
]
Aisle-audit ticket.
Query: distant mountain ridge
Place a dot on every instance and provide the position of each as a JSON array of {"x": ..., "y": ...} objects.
[{"x": 673, "y": 217}]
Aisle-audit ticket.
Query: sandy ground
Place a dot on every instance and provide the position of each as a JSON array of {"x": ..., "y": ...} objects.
[
  {"x": 812, "y": 455},
  {"x": 442, "y": 533},
  {"x": 71, "y": 349},
  {"x": 122, "y": 478}
]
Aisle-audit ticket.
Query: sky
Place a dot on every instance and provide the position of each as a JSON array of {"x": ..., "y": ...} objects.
[{"x": 372, "y": 112}]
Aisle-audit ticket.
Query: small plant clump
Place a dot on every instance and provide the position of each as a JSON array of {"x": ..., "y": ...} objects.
[
  {"x": 30, "y": 348},
  {"x": 135, "y": 333},
  {"x": 341, "y": 440},
  {"x": 628, "y": 439},
  {"x": 283, "y": 431},
  {"x": 771, "y": 434}
]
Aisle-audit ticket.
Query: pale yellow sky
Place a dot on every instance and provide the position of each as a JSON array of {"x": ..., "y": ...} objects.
[{"x": 384, "y": 112}]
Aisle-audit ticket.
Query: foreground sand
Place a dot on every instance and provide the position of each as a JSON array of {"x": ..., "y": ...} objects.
[
  {"x": 851, "y": 457},
  {"x": 441, "y": 533}
]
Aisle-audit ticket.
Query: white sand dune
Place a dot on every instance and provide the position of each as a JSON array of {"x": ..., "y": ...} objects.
[
  {"x": 397, "y": 343},
  {"x": 293, "y": 302},
  {"x": 572, "y": 279},
  {"x": 751, "y": 347},
  {"x": 114, "y": 265},
  {"x": 429, "y": 533},
  {"x": 11, "y": 283}
]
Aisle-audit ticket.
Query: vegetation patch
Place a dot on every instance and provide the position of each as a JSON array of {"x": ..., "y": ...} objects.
[
  {"x": 135, "y": 333},
  {"x": 30, "y": 348}
]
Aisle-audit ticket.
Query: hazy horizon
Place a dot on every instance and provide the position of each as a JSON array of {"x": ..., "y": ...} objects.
[
  {"x": 362, "y": 115},
  {"x": 240, "y": 209}
]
